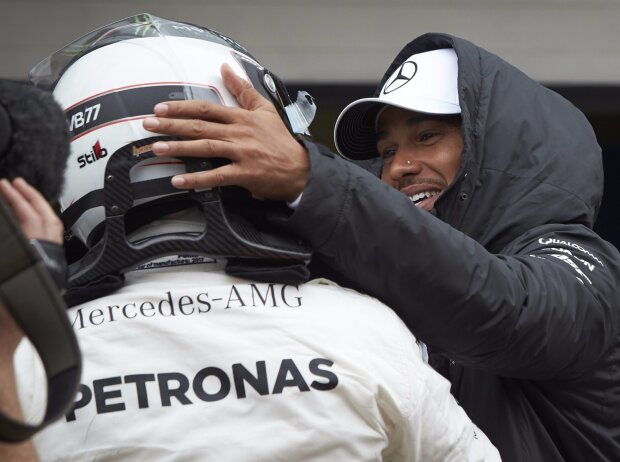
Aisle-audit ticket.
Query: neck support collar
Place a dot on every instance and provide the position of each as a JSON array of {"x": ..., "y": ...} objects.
[{"x": 228, "y": 232}]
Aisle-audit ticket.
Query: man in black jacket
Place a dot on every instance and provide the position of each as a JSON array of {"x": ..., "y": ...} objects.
[{"x": 515, "y": 295}]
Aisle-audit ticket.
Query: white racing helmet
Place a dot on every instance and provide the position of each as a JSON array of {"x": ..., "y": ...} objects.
[{"x": 107, "y": 82}]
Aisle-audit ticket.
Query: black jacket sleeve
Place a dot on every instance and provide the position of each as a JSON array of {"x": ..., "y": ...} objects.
[{"x": 547, "y": 307}]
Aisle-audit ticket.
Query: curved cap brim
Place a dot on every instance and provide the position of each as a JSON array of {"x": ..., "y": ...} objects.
[
  {"x": 355, "y": 134},
  {"x": 425, "y": 83}
]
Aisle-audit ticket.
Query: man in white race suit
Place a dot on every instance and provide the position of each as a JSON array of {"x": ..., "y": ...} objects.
[{"x": 186, "y": 360}]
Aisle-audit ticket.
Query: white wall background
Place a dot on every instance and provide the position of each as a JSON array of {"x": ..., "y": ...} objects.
[{"x": 331, "y": 41}]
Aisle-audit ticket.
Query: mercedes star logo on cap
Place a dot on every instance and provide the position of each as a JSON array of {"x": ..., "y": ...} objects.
[{"x": 403, "y": 75}]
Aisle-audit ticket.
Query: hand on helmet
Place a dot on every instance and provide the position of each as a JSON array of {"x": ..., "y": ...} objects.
[
  {"x": 34, "y": 214},
  {"x": 265, "y": 158}
]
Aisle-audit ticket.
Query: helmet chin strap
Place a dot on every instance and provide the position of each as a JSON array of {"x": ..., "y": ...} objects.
[{"x": 225, "y": 234}]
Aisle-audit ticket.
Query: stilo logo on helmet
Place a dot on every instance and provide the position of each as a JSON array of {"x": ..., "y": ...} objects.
[{"x": 93, "y": 156}]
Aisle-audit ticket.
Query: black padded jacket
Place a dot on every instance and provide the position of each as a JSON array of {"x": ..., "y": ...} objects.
[{"x": 515, "y": 295}]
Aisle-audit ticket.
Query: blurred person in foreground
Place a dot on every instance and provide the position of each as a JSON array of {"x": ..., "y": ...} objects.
[
  {"x": 479, "y": 236},
  {"x": 38, "y": 221},
  {"x": 34, "y": 145},
  {"x": 185, "y": 360}
]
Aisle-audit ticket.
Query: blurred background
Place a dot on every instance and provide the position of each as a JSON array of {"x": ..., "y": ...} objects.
[{"x": 338, "y": 49}]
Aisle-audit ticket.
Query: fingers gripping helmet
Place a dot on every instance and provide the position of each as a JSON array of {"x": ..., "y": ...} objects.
[{"x": 107, "y": 82}]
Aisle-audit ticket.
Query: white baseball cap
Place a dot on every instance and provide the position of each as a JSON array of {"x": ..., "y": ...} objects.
[{"x": 424, "y": 82}]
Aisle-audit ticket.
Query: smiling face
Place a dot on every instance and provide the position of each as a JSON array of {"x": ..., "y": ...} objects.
[{"x": 421, "y": 154}]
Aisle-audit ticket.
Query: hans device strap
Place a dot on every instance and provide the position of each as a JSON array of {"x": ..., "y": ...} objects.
[
  {"x": 29, "y": 294},
  {"x": 228, "y": 232}
]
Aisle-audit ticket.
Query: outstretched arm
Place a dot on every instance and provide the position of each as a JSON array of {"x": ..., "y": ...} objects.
[{"x": 511, "y": 314}]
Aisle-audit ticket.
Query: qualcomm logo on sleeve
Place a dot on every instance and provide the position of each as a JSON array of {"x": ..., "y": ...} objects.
[{"x": 546, "y": 241}]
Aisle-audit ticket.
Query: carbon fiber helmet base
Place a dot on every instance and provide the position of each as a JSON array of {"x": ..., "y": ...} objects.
[{"x": 107, "y": 82}]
